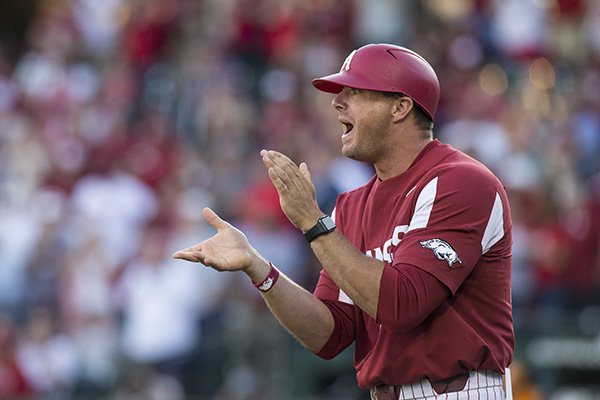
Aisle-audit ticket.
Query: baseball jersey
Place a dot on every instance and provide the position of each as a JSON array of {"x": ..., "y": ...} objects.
[{"x": 448, "y": 216}]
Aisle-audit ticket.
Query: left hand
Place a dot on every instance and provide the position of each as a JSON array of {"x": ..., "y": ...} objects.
[
  {"x": 297, "y": 194},
  {"x": 227, "y": 250}
]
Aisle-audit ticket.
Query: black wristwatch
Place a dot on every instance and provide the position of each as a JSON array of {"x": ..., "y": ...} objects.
[{"x": 324, "y": 225}]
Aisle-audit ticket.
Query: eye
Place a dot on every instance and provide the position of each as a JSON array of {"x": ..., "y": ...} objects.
[{"x": 354, "y": 91}]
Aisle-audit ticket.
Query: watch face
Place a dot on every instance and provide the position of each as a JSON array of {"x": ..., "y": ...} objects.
[{"x": 328, "y": 223}]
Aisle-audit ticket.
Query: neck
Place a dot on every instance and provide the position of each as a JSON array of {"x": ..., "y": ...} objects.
[{"x": 400, "y": 159}]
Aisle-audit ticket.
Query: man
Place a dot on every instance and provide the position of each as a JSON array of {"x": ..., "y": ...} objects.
[{"x": 417, "y": 271}]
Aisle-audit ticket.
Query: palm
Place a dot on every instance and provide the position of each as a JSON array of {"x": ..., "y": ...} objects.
[{"x": 227, "y": 250}]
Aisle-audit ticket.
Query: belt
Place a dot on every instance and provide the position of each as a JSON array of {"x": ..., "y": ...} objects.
[{"x": 427, "y": 388}]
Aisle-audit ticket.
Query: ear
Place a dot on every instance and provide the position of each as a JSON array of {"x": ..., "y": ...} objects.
[{"x": 401, "y": 108}]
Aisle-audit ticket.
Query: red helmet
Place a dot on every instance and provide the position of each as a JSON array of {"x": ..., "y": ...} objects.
[{"x": 387, "y": 68}]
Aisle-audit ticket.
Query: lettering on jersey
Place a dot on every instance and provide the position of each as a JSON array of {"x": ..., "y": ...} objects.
[
  {"x": 347, "y": 61},
  {"x": 419, "y": 219},
  {"x": 384, "y": 253},
  {"x": 442, "y": 250}
]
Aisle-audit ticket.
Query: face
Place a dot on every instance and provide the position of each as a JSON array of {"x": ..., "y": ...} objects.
[{"x": 366, "y": 120}]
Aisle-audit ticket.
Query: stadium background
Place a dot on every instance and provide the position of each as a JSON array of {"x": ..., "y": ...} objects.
[{"x": 121, "y": 119}]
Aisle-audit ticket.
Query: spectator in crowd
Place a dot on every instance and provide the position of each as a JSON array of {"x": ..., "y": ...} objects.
[{"x": 13, "y": 384}]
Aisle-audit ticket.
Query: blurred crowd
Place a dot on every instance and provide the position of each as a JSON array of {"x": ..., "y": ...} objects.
[{"x": 121, "y": 119}]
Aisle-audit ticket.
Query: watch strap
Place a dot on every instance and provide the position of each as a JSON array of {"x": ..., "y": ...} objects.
[{"x": 323, "y": 226}]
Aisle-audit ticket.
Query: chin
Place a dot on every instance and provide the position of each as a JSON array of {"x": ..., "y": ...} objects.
[
  {"x": 353, "y": 155},
  {"x": 348, "y": 152}
]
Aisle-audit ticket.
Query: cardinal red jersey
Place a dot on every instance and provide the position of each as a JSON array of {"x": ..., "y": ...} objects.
[{"x": 447, "y": 215}]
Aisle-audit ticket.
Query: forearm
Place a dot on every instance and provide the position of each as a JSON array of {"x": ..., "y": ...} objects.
[
  {"x": 302, "y": 314},
  {"x": 307, "y": 318},
  {"x": 411, "y": 294},
  {"x": 357, "y": 274}
]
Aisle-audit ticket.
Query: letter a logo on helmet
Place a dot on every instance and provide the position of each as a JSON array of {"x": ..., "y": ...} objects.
[
  {"x": 387, "y": 68},
  {"x": 347, "y": 61}
]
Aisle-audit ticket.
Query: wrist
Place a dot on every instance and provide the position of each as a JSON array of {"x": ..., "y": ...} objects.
[
  {"x": 323, "y": 226},
  {"x": 258, "y": 270},
  {"x": 311, "y": 221},
  {"x": 267, "y": 283}
]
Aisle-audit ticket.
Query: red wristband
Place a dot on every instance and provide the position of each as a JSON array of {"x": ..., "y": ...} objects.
[{"x": 269, "y": 281}]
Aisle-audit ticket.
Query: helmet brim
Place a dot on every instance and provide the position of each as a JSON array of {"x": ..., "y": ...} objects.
[
  {"x": 334, "y": 83},
  {"x": 330, "y": 83}
]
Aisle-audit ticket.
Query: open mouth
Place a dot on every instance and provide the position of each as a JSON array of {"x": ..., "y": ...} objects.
[{"x": 348, "y": 127}]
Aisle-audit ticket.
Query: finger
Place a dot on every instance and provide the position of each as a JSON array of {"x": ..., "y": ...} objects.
[
  {"x": 213, "y": 219},
  {"x": 283, "y": 167},
  {"x": 266, "y": 159},
  {"x": 282, "y": 161},
  {"x": 280, "y": 174},
  {"x": 192, "y": 256},
  {"x": 305, "y": 172},
  {"x": 276, "y": 180},
  {"x": 291, "y": 171},
  {"x": 273, "y": 171},
  {"x": 179, "y": 253},
  {"x": 273, "y": 157},
  {"x": 210, "y": 262}
]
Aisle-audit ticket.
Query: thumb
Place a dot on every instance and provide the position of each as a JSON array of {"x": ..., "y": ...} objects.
[
  {"x": 212, "y": 218},
  {"x": 305, "y": 172}
]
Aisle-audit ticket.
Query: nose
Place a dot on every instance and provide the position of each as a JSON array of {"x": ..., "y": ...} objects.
[{"x": 338, "y": 101}]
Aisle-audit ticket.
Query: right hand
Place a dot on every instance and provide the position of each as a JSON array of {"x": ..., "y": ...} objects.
[
  {"x": 227, "y": 250},
  {"x": 295, "y": 187}
]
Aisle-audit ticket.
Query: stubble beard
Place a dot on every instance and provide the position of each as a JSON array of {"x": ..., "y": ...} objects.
[{"x": 366, "y": 147}]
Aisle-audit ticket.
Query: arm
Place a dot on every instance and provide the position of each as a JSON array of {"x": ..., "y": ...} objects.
[
  {"x": 300, "y": 312},
  {"x": 411, "y": 293},
  {"x": 357, "y": 274},
  {"x": 304, "y": 316}
]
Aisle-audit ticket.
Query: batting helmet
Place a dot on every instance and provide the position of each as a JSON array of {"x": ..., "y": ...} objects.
[{"x": 387, "y": 68}]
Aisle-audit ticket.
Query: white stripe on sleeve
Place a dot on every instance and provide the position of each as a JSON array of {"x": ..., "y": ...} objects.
[
  {"x": 494, "y": 231},
  {"x": 424, "y": 205},
  {"x": 343, "y": 297}
]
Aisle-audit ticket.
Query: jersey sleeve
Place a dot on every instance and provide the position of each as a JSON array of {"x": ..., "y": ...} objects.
[
  {"x": 341, "y": 307},
  {"x": 459, "y": 215},
  {"x": 416, "y": 292},
  {"x": 342, "y": 310}
]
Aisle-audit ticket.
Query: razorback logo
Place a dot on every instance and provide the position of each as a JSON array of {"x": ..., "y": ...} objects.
[
  {"x": 266, "y": 285},
  {"x": 442, "y": 250}
]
